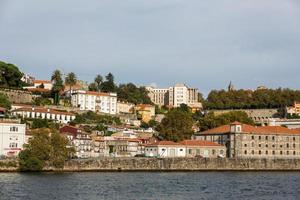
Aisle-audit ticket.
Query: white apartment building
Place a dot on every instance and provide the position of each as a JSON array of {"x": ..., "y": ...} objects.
[
  {"x": 12, "y": 137},
  {"x": 95, "y": 101},
  {"x": 174, "y": 96}
]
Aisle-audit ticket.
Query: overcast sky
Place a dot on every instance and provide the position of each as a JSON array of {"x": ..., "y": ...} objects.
[{"x": 202, "y": 43}]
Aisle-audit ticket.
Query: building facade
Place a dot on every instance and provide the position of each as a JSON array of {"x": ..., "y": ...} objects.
[
  {"x": 175, "y": 96},
  {"x": 12, "y": 137},
  {"x": 245, "y": 141},
  {"x": 95, "y": 101},
  {"x": 186, "y": 148},
  {"x": 44, "y": 113}
]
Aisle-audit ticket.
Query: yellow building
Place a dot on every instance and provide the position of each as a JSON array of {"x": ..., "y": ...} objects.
[{"x": 146, "y": 111}]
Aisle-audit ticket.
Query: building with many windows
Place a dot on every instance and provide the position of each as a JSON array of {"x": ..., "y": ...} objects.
[
  {"x": 95, "y": 101},
  {"x": 12, "y": 137},
  {"x": 174, "y": 96},
  {"x": 245, "y": 141}
]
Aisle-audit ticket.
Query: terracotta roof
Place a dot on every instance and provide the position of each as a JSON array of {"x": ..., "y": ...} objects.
[
  {"x": 94, "y": 93},
  {"x": 38, "y": 90},
  {"x": 43, "y": 110},
  {"x": 2, "y": 109},
  {"x": 42, "y": 81},
  {"x": 253, "y": 129},
  {"x": 199, "y": 143},
  {"x": 165, "y": 143}
]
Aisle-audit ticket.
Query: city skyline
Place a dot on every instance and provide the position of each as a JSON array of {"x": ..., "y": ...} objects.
[{"x": 203, "y": 44}]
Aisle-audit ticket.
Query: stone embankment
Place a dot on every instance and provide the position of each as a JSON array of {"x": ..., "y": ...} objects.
[{"x": 174, "y": 164}]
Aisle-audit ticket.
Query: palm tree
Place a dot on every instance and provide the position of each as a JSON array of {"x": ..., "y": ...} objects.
[
  {"x": 57, "y": 85},
  {"x": 98, "y": 81},
  {"x": 71, "y": 80}
]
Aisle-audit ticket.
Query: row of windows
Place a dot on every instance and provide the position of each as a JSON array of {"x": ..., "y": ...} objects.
[
  {"x": 271, "y": 152},
  {"x": 13, "y": 129},
  {"x": 273, "y": 145},
  {"x": 270, "y": 138}
]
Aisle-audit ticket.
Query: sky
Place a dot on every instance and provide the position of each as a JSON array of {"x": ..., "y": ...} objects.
[{"x": 205, "y": 44}]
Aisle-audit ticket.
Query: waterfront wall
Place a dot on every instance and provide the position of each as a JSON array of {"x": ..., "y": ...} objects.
[
  {"x": 170, "y": 164},
  {"x": 181, "y": 164}
]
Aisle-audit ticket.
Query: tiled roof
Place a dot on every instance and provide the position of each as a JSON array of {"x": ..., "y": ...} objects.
[
  {"x": 253, "y": 129},
  {"x": 38, "y": 90},
  {"x": 165, "y": 143},
  {"x": 199, "y": 143},
  {"x": 42, "y": 81},
  {"x": 43, "y": 110},
  {"x": 93, "y": 93}
]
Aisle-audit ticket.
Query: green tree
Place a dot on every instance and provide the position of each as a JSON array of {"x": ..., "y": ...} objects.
[
  {"x": 46, "y": 147},
  {"x": 133, "y": 94},
  {"x": 10, "y": 76},
  {"x": 58, "y": 85},
  {"x": 71, "y": 80},
  {"x": 98, "y": 81},
  {"x": 4, "y": 102},
  {"x": 176, "y": 126},
  {"x": 39, "y": 123},
  {"x": 93, "y": 87},
  {"x": 210, "y": 120},
  {"x": 109, "y": 85}
]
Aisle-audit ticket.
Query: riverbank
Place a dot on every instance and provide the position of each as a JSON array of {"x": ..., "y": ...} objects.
[{"x": 169, "y": 164}]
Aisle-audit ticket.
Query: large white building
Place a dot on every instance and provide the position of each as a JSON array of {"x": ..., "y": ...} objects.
[
  {"x": 95, "y": 101},
  {"x": 174, "y": 96},
  {"x": 12, "y": 137}
]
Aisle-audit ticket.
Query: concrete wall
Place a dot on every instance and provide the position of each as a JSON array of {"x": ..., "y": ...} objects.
[
  {"x": 175, "y": 164},
  {"x": 180, "y": 164},
  {"x": 17, "y": 96}
]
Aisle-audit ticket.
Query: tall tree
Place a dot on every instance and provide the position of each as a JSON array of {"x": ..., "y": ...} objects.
[
  {"x": 98, "y": 81},
  {"x": 58, "y": 85},
  {"x": 4, "y": 102},
  {"x": 109, "y": 85},
  {"x": 10, "y": 75},
  {"x": 176, "y": 126},
  {"x": 71, "y": 80}
]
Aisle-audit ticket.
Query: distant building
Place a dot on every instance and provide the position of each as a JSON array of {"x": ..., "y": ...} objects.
[
  {"x": 28, "y": 79},
  {"x": 293, "y": 110},
  {"x": 245, "y": 141},
  {"x": 12, "y": 137},
  {"x": 43, "y": 113},
  {"x": 43, "y": 84},
  {"x": 125, "y": 108},
  {"x": 147, "y": 112},
  {"x": 95, "y": 101},
  {"x": 175, "y": 96},
  {"x": 186, "y": 148}
]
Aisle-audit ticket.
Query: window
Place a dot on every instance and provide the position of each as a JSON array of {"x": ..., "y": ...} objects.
[
  {"x": 245, "y": 145},
  {"x": 273, "y": 152},
  {"x": 190, "y": 151},
  {"x": 287, "y": 145},
  {"x": 252, "y": 137},
  {"x": 252, "y": 144},
  {"x": 273, "y": 138},
  {"x": 13, "y": 145},
  {"x": 294, "y": 145},
  {"x": 267, "y": 137},
  {"x": 267, "y": 152},
  {"x": 259, "y": 145},
  {"x": 245, "y": 152},
  {"x": 280, "y": 152},
  {"x": 267, "y": 145},
  {"x": 273, "y": 145},
  {"x": 213, "y": 152},
  {"x": 259, "y": 137},
  {"x": 180, "y": 149},
  {"x": 259, "y": 152},
  {"x": 294, "y": 152},
  {"x": 287, "y": 152},
  {"x": 294, "y": 138},
  {"x": 13, "y": 129},
  {"x": 163, "y": 149},
  {"x": 252, "y": 152}
]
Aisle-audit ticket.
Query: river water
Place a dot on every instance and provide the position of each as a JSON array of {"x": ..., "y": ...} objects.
[{"x": 150, "y": 185}]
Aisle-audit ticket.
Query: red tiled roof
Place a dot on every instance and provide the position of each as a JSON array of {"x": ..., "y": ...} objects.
[
  {"x": 38, "y": 90},
  {"x": 254, "y": 129},
  {"x": 165, "y": 143},
  {"x": 2, "y": 109},
  {"x": 43, "y": 110},
  {"x": 42, "y": 81},
  {"x": 199, "y": 143}
]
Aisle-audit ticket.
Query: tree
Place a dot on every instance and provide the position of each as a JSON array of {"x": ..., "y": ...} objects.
[
  {"x": 98, "y": 81},
  {"x": 39, "y": 123},
  {"x": 210, "y": 121},
  {"x": 4, "y": 102},
  {"x": 71, "y": 80},
  {"x": 133, "y": 94},
  {"x": 46, "y": 147},
  {"x": 176, "y": 126},
  {"x": 109, "y": 84},
  {"x": 58, "y": 85},
  {"x": 10, "y": 76},
  {"x": 93, "y": 87}
]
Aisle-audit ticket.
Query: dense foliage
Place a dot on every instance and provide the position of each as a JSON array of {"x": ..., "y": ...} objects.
[
  {"x": 210, "y": 120},
  {"x": 4, "y": 102},
  {"x": 10, "y": 76},
  {"x": 176, "y": 126},
  {"x": 94, "y": 118},
  {"x": 44, "y": 148},
  {"x": 58, "y": 86},
  {"x": 242, "y": 99},
  {"x": 133, "y": 94}
]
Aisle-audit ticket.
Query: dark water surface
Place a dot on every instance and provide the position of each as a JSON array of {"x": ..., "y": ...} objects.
[{"x": 142, "y": 185}]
